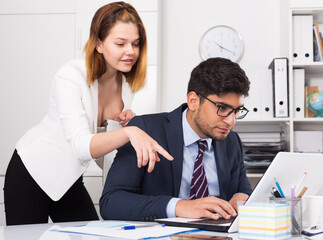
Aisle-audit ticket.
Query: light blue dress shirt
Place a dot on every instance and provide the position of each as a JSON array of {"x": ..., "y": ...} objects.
[{"x": 189, "y": 154}]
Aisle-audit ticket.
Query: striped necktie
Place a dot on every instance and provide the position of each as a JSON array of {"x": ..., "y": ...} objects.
[{"x": 199, "y": 188}]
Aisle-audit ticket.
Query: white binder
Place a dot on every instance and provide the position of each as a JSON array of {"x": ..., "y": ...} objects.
[
  {"x": 279, "y": 68},
  {"x": 297, "y": 35},
  {"x": 307, "y": 38},
  {"x": 303, "y": 38},
  {"x": 253, "y": 101},
  {"x": 299, "y": 96},
  {"x": 266, "y": 95}
]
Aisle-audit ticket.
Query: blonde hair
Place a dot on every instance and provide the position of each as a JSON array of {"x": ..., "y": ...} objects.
[{"x": 104, "y": 19}]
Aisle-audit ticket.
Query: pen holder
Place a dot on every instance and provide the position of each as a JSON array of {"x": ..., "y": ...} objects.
[{"x": 296, "y": 212}]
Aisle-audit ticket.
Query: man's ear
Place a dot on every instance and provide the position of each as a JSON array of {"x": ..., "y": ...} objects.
[
  {"x": 193, "y": 101},
  {"x": 99, "y": 47}
]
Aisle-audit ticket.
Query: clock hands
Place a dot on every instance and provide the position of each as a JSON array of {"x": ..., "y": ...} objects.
[
  {"x": 222, "y": 47},
  {"x": 221, "y": 41}
]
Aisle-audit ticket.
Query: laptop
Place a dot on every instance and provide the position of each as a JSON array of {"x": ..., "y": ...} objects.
[{"x": 288, "y": 168}]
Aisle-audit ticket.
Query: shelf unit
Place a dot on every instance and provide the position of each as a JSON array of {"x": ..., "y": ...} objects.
[{"x": 313, "y": 70}]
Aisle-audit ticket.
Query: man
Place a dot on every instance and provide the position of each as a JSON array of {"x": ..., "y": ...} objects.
[{"x": 206, "y": 177}]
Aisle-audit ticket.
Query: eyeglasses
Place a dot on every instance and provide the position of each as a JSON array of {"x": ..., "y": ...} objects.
[{"x": 225, "y": 110}]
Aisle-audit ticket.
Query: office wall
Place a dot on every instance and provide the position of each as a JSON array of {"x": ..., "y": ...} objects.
[{"x": 261, "y": 23}]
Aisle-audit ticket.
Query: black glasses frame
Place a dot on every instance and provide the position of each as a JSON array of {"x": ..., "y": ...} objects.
[{"x": 235, "y": 110}]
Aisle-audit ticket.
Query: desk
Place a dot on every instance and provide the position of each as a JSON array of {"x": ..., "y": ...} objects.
[{"x": 40, "y": 232}]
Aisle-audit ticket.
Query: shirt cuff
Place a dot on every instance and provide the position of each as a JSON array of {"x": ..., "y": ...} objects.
[{"x": 170, "y": 208}]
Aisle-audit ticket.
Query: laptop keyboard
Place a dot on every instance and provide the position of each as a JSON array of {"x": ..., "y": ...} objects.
[{"x": 212, "y": 221}]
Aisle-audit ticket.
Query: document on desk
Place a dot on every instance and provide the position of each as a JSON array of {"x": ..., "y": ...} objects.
[{"x": 117, "y": 229}]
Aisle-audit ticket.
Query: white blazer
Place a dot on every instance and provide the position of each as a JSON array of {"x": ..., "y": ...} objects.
[{"x": 56, "y": 151}]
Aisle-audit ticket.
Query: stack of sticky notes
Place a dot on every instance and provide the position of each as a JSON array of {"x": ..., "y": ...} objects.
[{"x": 265, "y": 221}]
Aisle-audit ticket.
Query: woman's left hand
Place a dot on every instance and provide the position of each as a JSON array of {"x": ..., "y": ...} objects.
[{"x": 124, "y": 117}]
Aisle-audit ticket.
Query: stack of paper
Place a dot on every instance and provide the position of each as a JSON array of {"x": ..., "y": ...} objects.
[
  {"x": 116, "y": 229},
  {"x": 265, "y": 221},
  {"x": 257, "y": 137},
  {"x": 260, "y": 148}
]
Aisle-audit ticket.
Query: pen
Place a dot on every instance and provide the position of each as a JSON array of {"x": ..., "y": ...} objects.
[
  {"x": 279, "y": 188},
  {"x": 131, "y": 227},
  {"x": 292, "y": 192},
  {"x": 300, "y": 181},
  {"x": 302, "y": 192},
  {"x": 276, "y": 193}
]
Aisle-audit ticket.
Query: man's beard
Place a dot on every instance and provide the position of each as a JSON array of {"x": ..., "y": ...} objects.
[{"x": 208, "y": 130}]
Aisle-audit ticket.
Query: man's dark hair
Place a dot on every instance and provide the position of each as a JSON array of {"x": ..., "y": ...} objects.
[{"x": 218, "y": 76}]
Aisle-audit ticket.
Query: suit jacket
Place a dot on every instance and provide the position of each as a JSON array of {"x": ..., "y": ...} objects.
[
  {"x": 131, "y": 193},
  {"x": 56, "y": 151}
]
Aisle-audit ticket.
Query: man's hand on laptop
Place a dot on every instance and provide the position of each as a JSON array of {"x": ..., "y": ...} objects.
[
  {"x": 208, "y": 207},
  {"x": 236, "y": 198}
]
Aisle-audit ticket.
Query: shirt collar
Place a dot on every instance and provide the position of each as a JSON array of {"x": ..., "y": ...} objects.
[{"x": 189, "y": 135}]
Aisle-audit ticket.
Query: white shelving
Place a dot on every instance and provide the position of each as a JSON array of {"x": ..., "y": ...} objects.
[{"x": 313, "y": 70}]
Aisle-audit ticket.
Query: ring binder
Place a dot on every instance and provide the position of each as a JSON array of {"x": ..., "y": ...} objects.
[{"x": 279, "y": 68}]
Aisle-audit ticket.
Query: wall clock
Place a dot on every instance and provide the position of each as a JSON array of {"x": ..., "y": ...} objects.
[{"x": 221, "y": 41}]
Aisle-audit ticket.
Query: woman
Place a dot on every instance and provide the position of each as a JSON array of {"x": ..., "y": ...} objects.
[{"x": 44, "y": 176}]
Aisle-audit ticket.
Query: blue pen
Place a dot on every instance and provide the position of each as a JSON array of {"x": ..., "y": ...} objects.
[
  {"x": 131, "y": 227},
  {"x": 279, "y": 188}
]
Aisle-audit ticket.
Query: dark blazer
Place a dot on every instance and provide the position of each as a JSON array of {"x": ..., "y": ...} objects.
[{"x": 131, "y": 193}]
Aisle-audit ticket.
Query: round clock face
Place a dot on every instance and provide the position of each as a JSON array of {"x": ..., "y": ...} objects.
[{"x": 221, "y": 41}]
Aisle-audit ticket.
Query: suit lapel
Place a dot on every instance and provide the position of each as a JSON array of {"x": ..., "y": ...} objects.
[
  {"x": 222, "y": 167},
  {"x": 174, "y": 134}
]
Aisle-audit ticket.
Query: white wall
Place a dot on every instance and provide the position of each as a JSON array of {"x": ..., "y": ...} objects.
[{"x": 184, "y": 22}]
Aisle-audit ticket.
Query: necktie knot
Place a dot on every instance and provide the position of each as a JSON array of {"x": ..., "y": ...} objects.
[{"x": 202, "y": 145}]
